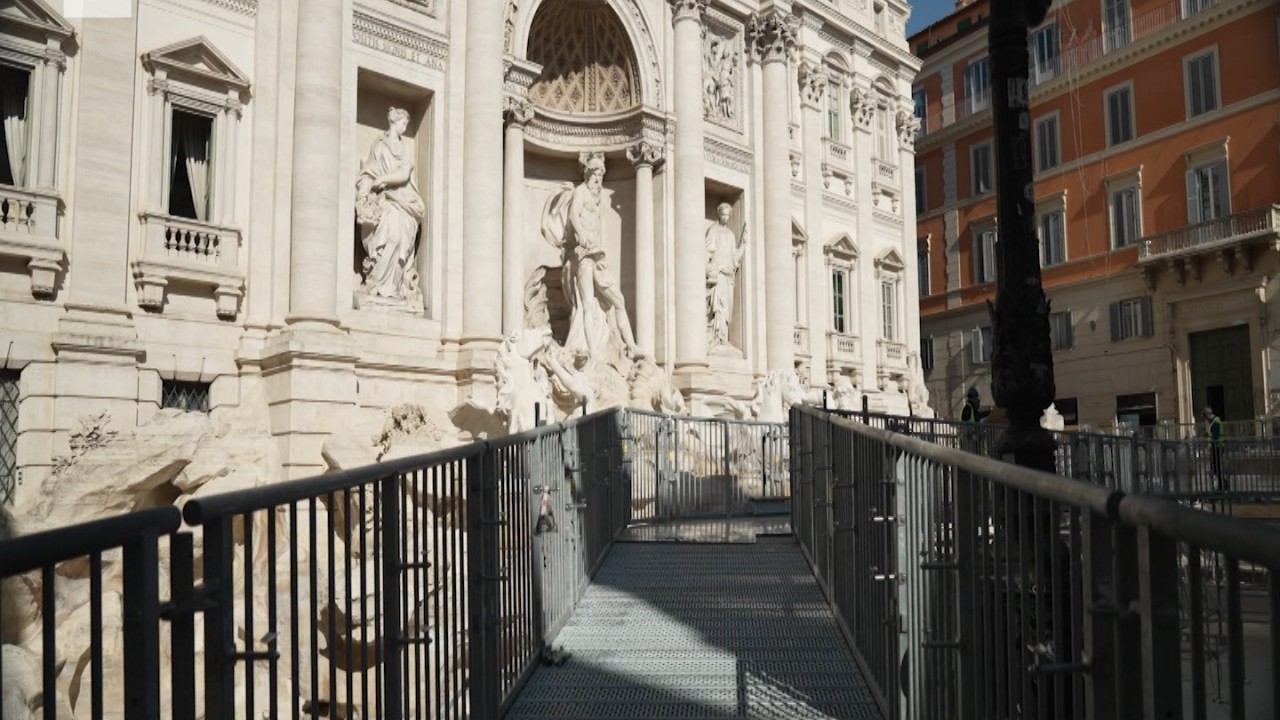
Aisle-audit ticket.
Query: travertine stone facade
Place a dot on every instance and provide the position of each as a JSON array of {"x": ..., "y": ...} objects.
[{"x": 342, "y": 207}]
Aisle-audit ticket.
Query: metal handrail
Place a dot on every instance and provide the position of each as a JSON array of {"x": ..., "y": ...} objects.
[{"x": 49, "y": 547}]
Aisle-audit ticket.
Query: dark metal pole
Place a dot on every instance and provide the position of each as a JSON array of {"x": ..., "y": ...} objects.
[{"x": 1022, "y": 360}]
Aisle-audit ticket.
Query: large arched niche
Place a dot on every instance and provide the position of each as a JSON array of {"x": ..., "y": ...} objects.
[{"x": 594, "y": 30}]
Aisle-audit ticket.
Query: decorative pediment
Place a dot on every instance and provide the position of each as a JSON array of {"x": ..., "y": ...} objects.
[
  {"x": 35, "y": 15},
  {"x": 196, "y": 59},
  {"x": 842, "y": 246},
  {"x": 798, "y": 236},
  {"x": 890, "y": 261}
]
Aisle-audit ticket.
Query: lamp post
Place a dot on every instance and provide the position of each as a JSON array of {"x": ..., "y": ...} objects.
[{"x": 1022, "y": 360}]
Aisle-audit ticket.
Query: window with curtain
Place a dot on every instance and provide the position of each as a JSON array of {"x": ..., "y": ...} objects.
[
  {"x": 977, "y": 85},
  {"x": 190, "y": 165},
  {"x": 839, "y": 300},
  {"x": 889, "y": 305},
  {"x": 15, "y": 87}
]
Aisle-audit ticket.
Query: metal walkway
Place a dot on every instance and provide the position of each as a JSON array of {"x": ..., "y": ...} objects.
[{"x": 686, "y": 630}]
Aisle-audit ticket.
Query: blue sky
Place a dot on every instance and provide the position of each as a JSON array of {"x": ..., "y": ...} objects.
[{"x": 924, "y": 12}]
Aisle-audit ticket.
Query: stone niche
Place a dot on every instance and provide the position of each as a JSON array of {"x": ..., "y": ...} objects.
[
  {"x": 544, "y": 175},
  {"x": 717, "y": 193},
  {"x": 375, "y": 95}
]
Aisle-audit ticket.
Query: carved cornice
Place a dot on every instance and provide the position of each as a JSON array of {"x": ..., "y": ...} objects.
[
  {"x": 518, "y": 76},
  {"x": 396, "y": 41},
  {"x": 516, "y": 111},
  {"x": 813, "y": 83},
  {"x": 647, "y": 153},
  {"x": 564, "y": 131},
  {"x": 772, "y": 36},
  {"x": 725, "y": 155},
  {"x": 687, "y": 10},
  {"x": 248, "y": 8},
  {"x": 426, "y": 7}
]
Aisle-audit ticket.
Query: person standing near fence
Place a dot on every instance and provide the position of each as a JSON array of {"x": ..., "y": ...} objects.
[
  {"x": 1216, "y": 443},
  {"x": 970, "y": 414}
]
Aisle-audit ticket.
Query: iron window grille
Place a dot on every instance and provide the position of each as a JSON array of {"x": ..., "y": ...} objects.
[
  {"x": 185, "y": 396},
  {"x": 8, "y": 435}
]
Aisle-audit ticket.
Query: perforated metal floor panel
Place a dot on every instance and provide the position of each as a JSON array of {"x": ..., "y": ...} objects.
[{"x": 701, "y": 631}]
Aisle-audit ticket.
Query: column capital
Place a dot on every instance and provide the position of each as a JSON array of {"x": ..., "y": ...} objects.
[
  {"x": 772, "y": 35},
  {"x": 908, "y": 126},
  {"x": 813, "y": 83},
  {"x": 516, "y": 111},
  {"x": 55, "y": 58},
  {"x": 687, "y": 10},
  {"x": 862, "y": 103},
  {"x": 157, "y": 86},
  {"x": 646, "y": 153}
]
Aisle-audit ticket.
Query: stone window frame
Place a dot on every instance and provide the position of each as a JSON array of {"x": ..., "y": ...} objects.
[
  {"x": 36, "y": 43},
  {"x": 1209, "y": 51},
  {"x": 978, "y": 228},
  {"x": 1202, "y": 156},
  {"x": 973, "y": 178},
  {"x": 1130, "y": 179},
  {"x": 1052, "y": 203},
  {"x": 799, "y": 244},
  {"x": 201, "y": 252},
  {"x": 890, "y": 269},
  {"x": 924, "y": 275},
  {"x": 1056, "y": 140},
  {"x": 1126, "y": 87},
  {"x": 842, "y": 255}
]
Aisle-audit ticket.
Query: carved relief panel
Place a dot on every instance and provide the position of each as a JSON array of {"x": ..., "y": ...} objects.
[{"x": 723, "y": 71}]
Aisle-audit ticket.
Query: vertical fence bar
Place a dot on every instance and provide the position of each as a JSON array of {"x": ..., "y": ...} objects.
[
  {"x": 219, "y": 641},
  {"x": 392, "y": 674},
  {"x": 141, "y": 630},
  {"x": 1161, "y": 639},
  {"x": 182, "y": 625}
]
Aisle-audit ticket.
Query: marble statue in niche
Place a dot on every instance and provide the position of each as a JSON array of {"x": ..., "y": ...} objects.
[
  {"x": 719, "y": 67},
  {"x": 571, "y": 223},
  {"x": 389, "y": 210},
  {"x": 724, "y": 257}
]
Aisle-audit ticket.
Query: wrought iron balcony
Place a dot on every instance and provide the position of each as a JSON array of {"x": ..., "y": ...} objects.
[{"x": 1231, "y": 237}]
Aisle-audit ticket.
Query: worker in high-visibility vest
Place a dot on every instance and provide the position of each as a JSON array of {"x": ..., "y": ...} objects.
[
  {"x": 970, "y": 414},
  {"x": 1217, "y": 444}
]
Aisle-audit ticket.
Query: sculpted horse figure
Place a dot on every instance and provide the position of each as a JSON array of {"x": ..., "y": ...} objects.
[{"x": 776, "y": 393}]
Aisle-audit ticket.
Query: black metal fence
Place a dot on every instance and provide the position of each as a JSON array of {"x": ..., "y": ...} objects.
[
  {"x": 971, "y": 588},
  {"x": 421, "y": 588},
  {"x": 687, "y": 467}
]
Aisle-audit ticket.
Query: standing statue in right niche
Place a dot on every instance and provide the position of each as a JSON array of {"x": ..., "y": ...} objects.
[{"x": 724, "y": 257}]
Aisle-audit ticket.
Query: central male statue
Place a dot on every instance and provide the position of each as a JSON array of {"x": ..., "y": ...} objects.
[{"x": 572, "y": 224}]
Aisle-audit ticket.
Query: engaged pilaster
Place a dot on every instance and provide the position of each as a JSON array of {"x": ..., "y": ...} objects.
[
  {"x": 813, "y": 80},
  {"x": 482, "y": 215},
  {"x": 647, "y": 157},
  {"x": 773, "y": 39},
  {"x": 517, "y": 113},
  {"x": 317, "y": 134},
  {"x": 690, "y": 190}
]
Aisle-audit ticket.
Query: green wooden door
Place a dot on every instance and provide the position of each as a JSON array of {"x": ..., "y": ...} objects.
[{"x": 1222, "y": 373}]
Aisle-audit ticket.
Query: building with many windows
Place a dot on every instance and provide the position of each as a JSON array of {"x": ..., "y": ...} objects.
[
  {"x": 317, "y": 211},
  {"x": 1157, "y": 182}
]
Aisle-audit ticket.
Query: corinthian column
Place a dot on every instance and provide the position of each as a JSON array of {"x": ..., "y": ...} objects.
[
  {"x": 518, "y": 114},
  {"x": 813, "y": 85},
  {"x": 481, "y": 156},
  {"x": 317, "y": 133},
  {"x": 690, "y": 191},
  {"x": 646, "y": 156},
  {"x": 773, "y": 38}
]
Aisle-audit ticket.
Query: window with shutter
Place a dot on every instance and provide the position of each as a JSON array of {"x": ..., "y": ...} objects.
[
  {"x": 922, "y": 271},
  {"x": 975, "y": 344},
  {"x": 1117, "y": 331},
  {"x": 1124, "y": 217},
  {"x": 1208, "y": 196},
  {"x": 1201, "y": 85},
  {"x": 1131, "y": 318},
  {"x": 1052, "y": 246},
  {"x": 921, "y": 204},
  {"x": 1119, "y": 116},
  {"x": 977, "y": 85},
  {"x": 1115, "y": 24},
  {"x": 980, "y": 171},
  {"x": 1146, "y": 321},
  {"x": 926, "y": 354},
  {"x": 838, "y": 318},
  {"x": 989, "y": 256},
  {"x": 1060, "y": 330},
  {"x": 834, "y": 125},
  {"x": 889, "y": 306}
]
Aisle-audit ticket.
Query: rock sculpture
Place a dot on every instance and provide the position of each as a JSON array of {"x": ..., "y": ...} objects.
[
  {"x": 1052, "y": 420},
  {"x": 776, "y": 392},
  {"x": 847, "y": 396},
  {"x": 572, "y": 224},
  {"x": 389, "y": 210},
  {"x": 917, "y": 392},
  {"x": 719, "y": 65},
  {"x": 724, "y": 257},
  {"x": 651, "y": 389}
]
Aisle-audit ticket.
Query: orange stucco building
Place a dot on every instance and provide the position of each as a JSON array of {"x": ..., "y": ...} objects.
[{"x": 1156, "y": 140}]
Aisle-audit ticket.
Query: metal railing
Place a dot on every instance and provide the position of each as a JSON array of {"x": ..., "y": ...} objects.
[
  {"x": 971, "y": 588},
  {"x": 686, "y": 467},
  {"x": 425, "y": 587}
]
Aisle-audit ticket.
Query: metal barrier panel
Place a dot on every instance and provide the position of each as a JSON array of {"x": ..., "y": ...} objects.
[
  {"x": 80, "y": 620},
  {"x": 992, "y": 591},
  {"x": 684, "y": 467}
]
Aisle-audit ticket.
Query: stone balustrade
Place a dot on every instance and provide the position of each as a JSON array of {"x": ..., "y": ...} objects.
[
  {"x": 802, "y": 340},
  {"x": 191, "y": 251},
  {"x": 886, "y": 172},
  {"x": 29, "y": 231},
  {"x": 844, "y": 348},
  {"x": 838, "y": 155},
  {"x": 892, "y": 355}
]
